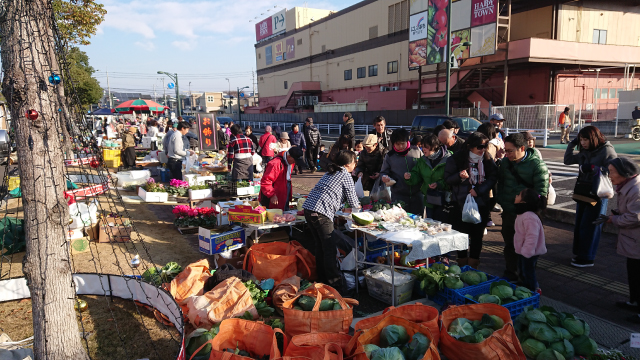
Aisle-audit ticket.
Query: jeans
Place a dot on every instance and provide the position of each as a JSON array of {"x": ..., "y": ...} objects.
[
  {"x": 175, "y": 166},
  {"x": 510, "y": 257},
  {"x": 312, "y": 157},
  {"x": 327, "y": 266},
  {"x": 586, "y": 235},
  {"x": 527, "y": 269},
  {"x": 475, "y": 231},
  {"x": 633, "y": 273}
]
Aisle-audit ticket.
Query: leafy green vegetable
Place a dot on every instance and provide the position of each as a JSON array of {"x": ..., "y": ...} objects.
[
  {"x": 550, "y": 354},
  {"x": 390, "y": 353},
  {"x": 536, "y": 315},
  {"x": 532, "y": 348},
  {"x": 487, "y": 298},
  {"x": 196, "y": 339},
  {"x": 460, "y": 327},
  {"x": 418, "y": 346},
  {"x": 369, "y": 348},
  {"x": 486, "y": 332},
  {"x": 501, "y": 289},
  {"x": 439, "y": 267},
  {"x": 522, "y": 293},
  {"x": 576, "y": 327},
  {"x": 326, "y": 304},
  {"x": 275, "y": 323},
  {"x": 306, "y": 302},
  {"x": 393, "y": 335},
  {"x": 584, "y": 346},
  {"x": 264, "y": 310},
  {"x": 543, "y": 332},
  {"x": 492, "y": 321},
  {"x": 564, "y": 347},
  {"x": 472, "y": 277},
  {"x": 152, "y": 275},
  {"x": 473, "y": 338},
  {"x": 452, "y": 281},
  {"x": 454, "y": 269},
  {"x": 170, "y": 271},
  {"x": 258, "y": 296}
]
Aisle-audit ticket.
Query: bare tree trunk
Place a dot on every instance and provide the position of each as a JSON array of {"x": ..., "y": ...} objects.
[{"x": 28, "y": 58}]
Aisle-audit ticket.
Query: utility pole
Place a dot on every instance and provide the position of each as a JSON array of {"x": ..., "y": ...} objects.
[
  {"x": 238, "y": 97},
  {"x": 109, "y": 87},
  {"x": 190, "y": 97},
  {"x": 253, "y": 82},
  {"x": 154, "y": 93}
]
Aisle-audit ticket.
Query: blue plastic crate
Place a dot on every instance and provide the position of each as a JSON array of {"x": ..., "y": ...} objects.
[
  {"x": 515, "y": 308},
  {"x": 165, "y": 175},
  {"x": 372, "y": 255},
  {"x": 449, "y": 295}
]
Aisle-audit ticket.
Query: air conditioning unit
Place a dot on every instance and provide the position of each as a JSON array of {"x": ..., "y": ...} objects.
[
  {"x": 314, "y": 100},
  {"x": 395, "y": 88},
  {"x": 384, "y": 88}
]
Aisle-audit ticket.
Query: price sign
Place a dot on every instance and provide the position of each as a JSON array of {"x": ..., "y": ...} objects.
[
  {"x": 635, "y": 340},
  {"x": 208, "y": 132}
]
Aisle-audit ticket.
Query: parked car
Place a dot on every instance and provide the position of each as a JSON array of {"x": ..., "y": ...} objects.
[
  {"x": 223, "y": 119},
  {"x": 5, "y": 146},
  {"x": 423, "y": 124}
]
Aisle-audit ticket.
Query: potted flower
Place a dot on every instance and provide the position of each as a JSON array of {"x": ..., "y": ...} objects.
[
  {"x": 199, "y": 192},
  {"x": 153, "y": 192},
  {"x": 178, "y": 187},
  {"x": 187, "y": 217}
]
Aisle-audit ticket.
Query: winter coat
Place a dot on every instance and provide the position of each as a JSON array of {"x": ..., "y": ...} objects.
[
  {"x": 128, "y": 140},
  {"x": 312, "y": 135},
  {"x": 369, "y": 164},
  {"x": 384, "y": 141},
  {"x": 457, "y": 146},
  {"x": 629, "y": 219},
  {"x": 599, "y": 156},
  {"x": 297, "y": 139},
  {"x": 531, "y": 169},
  {"x": 265, "y": 142},
  {"x": 460, "y": 188},
  {"x": 529, "y": 237},
  {"x": 395, "y": 166},
  {"x": 254, "y": 139},
  {"x": 424, "y": 173},
  {"x": 348, "y": 128},
  {"x": 274, "y": 182}
]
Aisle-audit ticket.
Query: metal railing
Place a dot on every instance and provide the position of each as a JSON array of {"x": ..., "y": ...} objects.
[{"x": 324, "y": 128}]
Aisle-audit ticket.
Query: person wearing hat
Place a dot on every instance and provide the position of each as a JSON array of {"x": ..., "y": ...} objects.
[
  {"x": 129, "y": 148},
  {"x": 369, "y": 162},
  {"x": 623, "y": 173},
  {"x": 531, "y": 141},
  {"x": 275, "y": 185},
  {"x": 498, "y": 120},
  {"x": 564, "y": 123},
  {"x": 284, "y": 141}
]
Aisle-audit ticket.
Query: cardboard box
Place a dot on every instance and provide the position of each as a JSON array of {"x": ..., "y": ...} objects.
[
  {"x": 247, "y": 214},
  {"x": 236, "y": 261},
  {"x": 210, "y": 242},
  {"x": 199, "y": 194},
  {"x": 79, "y": 245},
  {"x": 113, "y": 230},
  {"x": 159, "y": 197},
  {"x": 93, "y": 232}
]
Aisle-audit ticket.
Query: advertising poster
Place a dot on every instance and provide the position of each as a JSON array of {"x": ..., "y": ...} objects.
[
  {"x": 437, "y": 21},
  {"x": 483, "y": 12},
  {"x": 278, "y": 23},
  {"x": 208, "y": 133},
  {"x": 457, "y": 39},
  {"x": 483, "y": 40},
  {"x": 263, "y": 29},
  {"x": 278, "y": 50},
  {"x": 268, "y": 55},
  {"x": 273, "y": 25},
  {"x": 291, "y": 49}
]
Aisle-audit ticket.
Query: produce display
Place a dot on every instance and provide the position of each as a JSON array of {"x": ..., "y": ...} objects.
[
  {"x": 259, "y": 296},
  {"x": 392, "y": 217},
  {"x": 476, "y": 331},
  {"x": 395, "y": 344},
  {"x": 306, "y": 303},
  {"x": 438, "y": 276},
  {"x": 502, "y": 293},
  {"x": 280, "y": 219},
  {"x": 547, "y": 334},
  {"x": 162, "y": 275}
]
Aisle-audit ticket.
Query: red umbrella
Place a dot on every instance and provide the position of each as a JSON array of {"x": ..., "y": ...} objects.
[{"x": 139, "y": 105}]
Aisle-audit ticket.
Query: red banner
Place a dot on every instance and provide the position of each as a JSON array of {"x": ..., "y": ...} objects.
[
  {"x": 483, "y": 12},
  {"x": 208, "y": 132},
  {"x": 263, "y": 29}
]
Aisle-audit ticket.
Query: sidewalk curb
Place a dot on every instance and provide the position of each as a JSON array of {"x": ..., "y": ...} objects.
[{"x": 569, "y": 217}]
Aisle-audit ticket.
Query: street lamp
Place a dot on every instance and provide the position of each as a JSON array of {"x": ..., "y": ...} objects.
[
  {"x": 174, "y": 77},
  {"x": 229, "y": 81},
  {"x": 239, "y": 115},
  {"x": 447, "y": 97}
]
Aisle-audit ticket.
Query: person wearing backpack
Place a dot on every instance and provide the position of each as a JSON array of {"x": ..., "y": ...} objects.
[
  {"x": 313, "y": 140},
  {"x": 521, "y": 168},
  {"x": 264, "y": 145}
]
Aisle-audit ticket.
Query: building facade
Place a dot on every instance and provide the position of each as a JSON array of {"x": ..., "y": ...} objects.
[{"x": 562, "y": 52}]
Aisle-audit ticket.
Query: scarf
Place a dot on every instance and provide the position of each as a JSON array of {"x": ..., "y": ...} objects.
[
  {"x": 436, "y": 154},
  {"x": 403, "y": 152},
  {"x": 476, "y": 159},
  {"x": 284, "y": 157},
  {"x": 619, "y": 186},
  {"x": 295, "y": 131}
]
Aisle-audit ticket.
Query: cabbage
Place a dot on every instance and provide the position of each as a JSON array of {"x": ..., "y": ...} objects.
[
  {"x": 393, "y": 335},
  {"x": 472, "y": 277},
  {"x": 170, "y": 271},
  {"x": 532, "y": 348},
  {"x": 576, "y": 327},
  {"x": 543, "y": 332},
  {"x": 501, "y": 289},
  {"x": 391, "y": 353},
  {"x": 552, "y": 319},
  {"x": 492, "y": 321},
  {"x": 454, "y": 269},
  {"x": 536, "y": 315},
  {"x": 550, "y": 354},
  {"x": 486, "y": 332},
  {"x": 522, "y": 293},
  {"x": 564, "y": 347},
  {"x": 306, "y": 303},
  {"x": 460, "y": 327},
  {"x": 453, "y": 282},
  {"x": 369, "y": 348},
  {"x": 566, "y": 335},
  {"x": 486, "y": 298},
  {"x": 584, "y": 346},
  {"x": 522, "y": 319},
  {"x": 439, "y": 267},
  {"x": 473, "y": 338},
  {"x": 196, "y": 339},
  {"x": 418, "y": 346}
]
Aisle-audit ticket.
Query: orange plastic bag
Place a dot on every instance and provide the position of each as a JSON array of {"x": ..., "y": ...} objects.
[
  {"x": 227, "y": 300},
  {"x": 372, "y": 336},
  {"x": 417, "y": 313},
  {"x": 254, "y": 337},
  {"x": 334, "y": 321},
  {"x": 502, "y": 345},
  {"x": 306, "y": 262},
  {"x": 315, "y": 347},
  {"x": 275, "y": 260},
  {"x": 284, "y": 291},
  {"x": 190, "y": 281}
]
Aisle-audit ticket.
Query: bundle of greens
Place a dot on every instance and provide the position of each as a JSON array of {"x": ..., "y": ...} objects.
[
  {"x": 439, "y": 276},
  {"x": 162, "y": 275},
  {"x": 258, "y": 296},
  {"x": 547, "y": 334},
  {"x": 197, "y": 338},
  {"x": 476, "y": 331}
]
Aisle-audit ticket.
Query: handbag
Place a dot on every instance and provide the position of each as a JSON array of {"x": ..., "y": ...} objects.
[
  {"x": 435, "y": 197},
  {"x": 586, "y": 187}
]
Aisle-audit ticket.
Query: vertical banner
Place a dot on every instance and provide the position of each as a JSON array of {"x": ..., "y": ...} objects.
[
  {"x": 208, "y": 132},
  {"x": 278, "y": 50},
  {"x": 291, "y": 48},
  {"x": 437, "y": 37},
  {"x": 268, "y": 54},
  {"x": 418, "y": 40}
]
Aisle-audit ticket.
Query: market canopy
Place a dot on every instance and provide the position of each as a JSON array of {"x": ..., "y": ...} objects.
[
  {"x": 139, "y": 105},
  {"x": 102, "y": 112}
]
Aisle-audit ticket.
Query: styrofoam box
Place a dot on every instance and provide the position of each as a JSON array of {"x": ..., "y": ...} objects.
[
  {"x": 199, "y": 194},
  {"x": 133, "y": 177},
  {"x": 153, "y": 196}
]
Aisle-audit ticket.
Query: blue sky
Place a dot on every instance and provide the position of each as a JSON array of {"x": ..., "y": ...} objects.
[{"x": 203, "y": 41}]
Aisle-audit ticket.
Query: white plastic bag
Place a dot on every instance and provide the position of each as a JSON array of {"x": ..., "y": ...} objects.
[
  {"x": 551, "y": 197},
  {"x": 359, "y": 188},
  {"x": 192, "y": 160},
  {"x": 470, "y": 212},
  {"x": 349, "y": 261},
  {"x": 605, "y": 188}
]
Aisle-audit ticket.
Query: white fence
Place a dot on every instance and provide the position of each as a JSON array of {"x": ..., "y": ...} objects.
[{"x": 323, "y": 128}]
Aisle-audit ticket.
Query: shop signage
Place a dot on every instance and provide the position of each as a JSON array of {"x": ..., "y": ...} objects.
[
  {"x": 271, "y": 26},
  {"x": 208, "y": 133}
]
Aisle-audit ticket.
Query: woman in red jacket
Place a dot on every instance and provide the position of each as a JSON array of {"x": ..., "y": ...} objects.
[
  {"x": 265, "y": 142},
  {"x": 275, "y": 186}
]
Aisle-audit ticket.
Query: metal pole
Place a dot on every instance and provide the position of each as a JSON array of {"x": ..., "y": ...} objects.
[
  {"x": 518, "y": 117},
  {"x": 546, "y": 126},
  {"x": 447, "y": 97},
  {"x": 109, "y": 87},
  {"x": 580, "y": 116},
  {"x": 615, "y": 135},
  {"x": 238, "y": 98},
  {"x": 595, "y": 107},
  {"x": 178, "y": 96}
]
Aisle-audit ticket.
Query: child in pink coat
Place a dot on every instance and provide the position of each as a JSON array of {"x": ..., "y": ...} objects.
[{"x": 529, "y": 238}]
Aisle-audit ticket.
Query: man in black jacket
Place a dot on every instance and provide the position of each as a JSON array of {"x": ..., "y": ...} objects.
[
  {"x": 314, "y": 140},
  {"x": 383, "y": 134},
  {"x": 449, "y": 139},
  {"x": 348, "y": 128}
]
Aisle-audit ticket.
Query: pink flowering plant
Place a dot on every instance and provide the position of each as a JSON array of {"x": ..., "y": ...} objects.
[
  {"x": 153, "y": 186},
  {"x": 188, "y": 217},
  {"x": 178, "y": 187}
]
